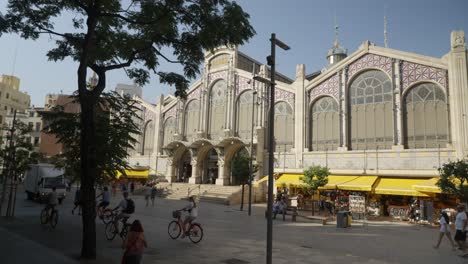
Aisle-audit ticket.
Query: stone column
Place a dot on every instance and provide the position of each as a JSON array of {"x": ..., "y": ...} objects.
[
  {"x": 300, "y": 111},
  {"x": 170, "y": 173},
  {"x": 398, "y": 113},
  {"x": 158, "y": 126},
  {"x": 343, "y": 104},
  {"x": 458, "y": 96}
]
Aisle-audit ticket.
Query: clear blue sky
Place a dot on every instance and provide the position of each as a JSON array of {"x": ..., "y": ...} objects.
[{"x": 419, "y": 26}]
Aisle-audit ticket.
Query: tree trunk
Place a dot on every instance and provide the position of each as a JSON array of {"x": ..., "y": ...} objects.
[
  {"x": 88, "y": 178},
  {"x": 242, "y": 198}
]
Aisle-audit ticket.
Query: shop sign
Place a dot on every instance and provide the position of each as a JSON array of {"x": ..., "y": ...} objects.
[{"x": 357, "y": 204}]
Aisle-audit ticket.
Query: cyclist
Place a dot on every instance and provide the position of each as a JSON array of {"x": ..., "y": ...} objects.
[
  {"x": 193, "y": 213},
  {"x": 105, "y": 201},
  {"x": 127, "y": 208},
  {"x": 52, "y": 200}
]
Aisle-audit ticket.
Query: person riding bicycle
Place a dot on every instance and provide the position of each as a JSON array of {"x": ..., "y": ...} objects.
[
  {"x": 52, "y": 200},
  {"x": 105, "y": 201},
  {"x": 127, "y": 208},
  {"x": 193, "y": 214}
]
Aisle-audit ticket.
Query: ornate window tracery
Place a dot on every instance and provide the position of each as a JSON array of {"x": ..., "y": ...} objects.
[
  {"x": 192, "y": 116},
  {"x": 244, "y": 114},
  {"x": 425, "y": 117},
  {"x": 217, "y": 112},
  {"x": 325, "y": 125},
  {"x": 371, "y": 111},
  {"x": 284, "y": 127},
  {"x": 170, "y": 128}
]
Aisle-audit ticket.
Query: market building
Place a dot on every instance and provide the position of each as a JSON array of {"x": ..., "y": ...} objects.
[{"x": 382, "y": 120}]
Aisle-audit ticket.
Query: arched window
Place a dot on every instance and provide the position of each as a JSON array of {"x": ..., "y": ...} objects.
[
  {"x": 370, "y": 111},
  {"x": 217, "y": 112},
  {"x": 284, "y": 127},
  {"x": 170, "y": 128},
  {"x": 192, "y": 116},
  {"x": 325, "y": 125},
  {"x": 425, "y": 117},
  {"x": 148, "y": 137},
  {"x": 244, "y": 114}
]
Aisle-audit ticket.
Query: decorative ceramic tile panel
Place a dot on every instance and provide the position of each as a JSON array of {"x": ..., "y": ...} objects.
[
  {"x": 148, "y": 114},
  {"x": 195, "y": 93},
  {"x": 171, "y": 112},
  {"x": 331, "y": 87},
  {"x": 217, "y": 75},
  {"x": 412, "y": 72},
  {"x": 283, "y": 95},
  {"x": 371, "y": 61},
  {"x": 242, "y": 84}
]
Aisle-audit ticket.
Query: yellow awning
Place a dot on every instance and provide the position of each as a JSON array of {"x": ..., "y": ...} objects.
[
  {"x": 399, "y": 186},
  {"x": 135, "y": 174},
  {"x": 359, "y": 183},
  {"x": 264, "y": 179},
  {"x": 290, "y": 180},
  {"x": 335, "y": 180},
  {"x": 428, "y": 186}
]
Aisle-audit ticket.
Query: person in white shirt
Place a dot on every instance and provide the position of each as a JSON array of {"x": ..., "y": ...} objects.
[
  {"x": 147, "y": 193},
  {"x": 444, "y": 230},
  {"x": 460, "y": 226},
  {"x": 52, "y": 200},
  {"x": 193, "y": 214}
]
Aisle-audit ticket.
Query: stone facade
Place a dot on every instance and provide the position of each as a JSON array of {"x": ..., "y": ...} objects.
[{"x": 394, "y": 114}]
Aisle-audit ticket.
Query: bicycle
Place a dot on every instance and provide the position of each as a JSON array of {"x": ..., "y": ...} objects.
[
  {"x": 104, "y": 213},
  {"x": 49, "y": 215},
  {"x": 112, "y": 228},
  {"x": 194, "y": 232}
]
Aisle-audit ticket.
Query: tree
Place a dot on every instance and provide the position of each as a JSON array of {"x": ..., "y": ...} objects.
[
  {"x": 116, "y": 127},
  {"x": 16, "y": 156},
  {"x": 241, "y": 172},
  {"x": 130, "y": 35},
  {"x": 315, "y": 177},
  {"x": 454, "y": 179}
]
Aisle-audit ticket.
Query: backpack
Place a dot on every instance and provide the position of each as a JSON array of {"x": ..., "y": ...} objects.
[{"x": 130, "y": 209}]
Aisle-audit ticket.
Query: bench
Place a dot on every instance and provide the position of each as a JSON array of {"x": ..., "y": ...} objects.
[
  {"x": 320, "y": 218},
  {"x": 291, "y": 209}
]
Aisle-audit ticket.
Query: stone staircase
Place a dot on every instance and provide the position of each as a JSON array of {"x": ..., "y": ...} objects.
[{"x": 205, "y": 192}]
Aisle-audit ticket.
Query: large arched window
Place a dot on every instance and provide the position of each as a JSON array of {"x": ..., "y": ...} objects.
[
  {"x": 217, "y": 112},
  {"x": 148, "y": 137},
  {"x": 425, "y": 117},
  {"x": 284, "y": 127},
  {"x": 170, "y": 128},
  {"x": 325, "y": 125},
  {"x": 192, "y": 116},
  {"x": 244, "y": 114},
  {"x": 370, "y": 111}
]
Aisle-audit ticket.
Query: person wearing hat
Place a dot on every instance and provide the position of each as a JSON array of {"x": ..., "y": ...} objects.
[
  {"x": 192, "y": 209},
  {"x": 460, "y": 226}
]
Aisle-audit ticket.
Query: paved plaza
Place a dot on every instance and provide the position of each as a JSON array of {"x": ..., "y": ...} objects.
[{"x": 230, "y": 236}]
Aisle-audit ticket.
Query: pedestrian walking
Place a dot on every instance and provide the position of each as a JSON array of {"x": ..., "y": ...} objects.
[
  {"x": 460, "y": 226},
  {"x": 147, "y": 193},
  {"x": 132, "y": 187},
  {"x": 114, "y": 189},
  {"x": 445, "y": 230},
  {"x": 77, "y": 202},
  {"x": 134, "y": 244},
  {"x": 154, "y": 191}
]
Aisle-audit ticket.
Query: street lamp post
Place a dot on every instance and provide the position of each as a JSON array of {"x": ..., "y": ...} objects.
[
  {"x": 254, "y": 93},
  {"x": 271, "y": 125}
]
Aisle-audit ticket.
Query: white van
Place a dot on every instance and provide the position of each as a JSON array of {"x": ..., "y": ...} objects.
[{"x": 40, "y": 179}]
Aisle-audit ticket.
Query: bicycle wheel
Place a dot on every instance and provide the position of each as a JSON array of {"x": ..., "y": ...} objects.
[
  {"x": 54, "y": 218},
  {"x": 111, "y": 230},
  {"x": 106, "y": 216},
  {"x": 174, "y": 229},
  {"x": 124, "y": 232},
  {"x": 44, "y": 216},
  {"x": 195, "y": 233}
]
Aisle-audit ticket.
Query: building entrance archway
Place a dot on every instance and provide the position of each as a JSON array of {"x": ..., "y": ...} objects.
[{"x": 184, "y": 167}]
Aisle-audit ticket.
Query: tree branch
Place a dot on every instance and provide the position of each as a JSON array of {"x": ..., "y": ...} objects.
[{"x": 166, "y": 58}]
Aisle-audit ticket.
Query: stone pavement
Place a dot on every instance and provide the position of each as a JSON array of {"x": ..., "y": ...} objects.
[{"x": 230, "y": 236}]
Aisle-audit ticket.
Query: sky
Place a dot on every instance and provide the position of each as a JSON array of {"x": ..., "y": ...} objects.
[{"x": 307, "y": 26}]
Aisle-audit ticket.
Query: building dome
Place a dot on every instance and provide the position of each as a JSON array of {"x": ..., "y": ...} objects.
[{"x": 336, "y": 53}]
